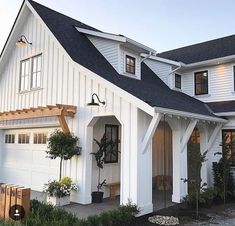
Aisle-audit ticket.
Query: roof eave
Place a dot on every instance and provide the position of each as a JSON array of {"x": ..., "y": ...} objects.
[{"x": 189, "y": 115}]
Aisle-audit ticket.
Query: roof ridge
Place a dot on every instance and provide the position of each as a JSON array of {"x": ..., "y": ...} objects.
[{"x": 195, "y": 44}]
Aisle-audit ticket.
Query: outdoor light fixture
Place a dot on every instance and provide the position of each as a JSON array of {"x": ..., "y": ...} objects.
[
  {"x": 23, "y": 41},
  {"x": 93, "y": 103}
]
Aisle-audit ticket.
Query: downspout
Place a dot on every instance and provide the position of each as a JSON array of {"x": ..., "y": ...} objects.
[{"x": 173, "y": 71}]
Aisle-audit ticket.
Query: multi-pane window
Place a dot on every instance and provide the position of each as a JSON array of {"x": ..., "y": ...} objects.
[
  {"x": 40, "y": 138},
  {"x": 9, "y": 138},
  {"x": 178, "y": 81},
  {"x": 111, "y": 134},
  {"x": 30, "y": 73},
  {"x": 228, "y": 137},
  {"x": 24, "y": 75},
  {"x": 23, "y": 139},
  {"x": 130, "y": 64},
  {"x": 195, "y": 136},
  {"x": 36, "y": 72},
  {"x": 201, "y": 82}
]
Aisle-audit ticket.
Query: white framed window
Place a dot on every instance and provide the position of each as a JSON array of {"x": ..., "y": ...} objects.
[
  {"x": 30, "y": 73},
  {"x": 40, "y": 138},
  {"x": 36, "y": 72},
  {"x": 23, "y": 138},
  {"x": 9, "y": 138},
  {"x": 24, "y": 75}
]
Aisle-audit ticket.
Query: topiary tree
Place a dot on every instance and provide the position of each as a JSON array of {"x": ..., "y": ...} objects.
[{"x": 62, "y": 145}]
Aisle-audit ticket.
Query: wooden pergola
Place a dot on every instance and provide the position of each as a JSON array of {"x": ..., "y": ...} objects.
[{"x": 59, "y": 110}]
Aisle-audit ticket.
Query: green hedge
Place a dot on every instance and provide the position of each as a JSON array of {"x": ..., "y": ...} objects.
[{"x": 47, "y": 215}]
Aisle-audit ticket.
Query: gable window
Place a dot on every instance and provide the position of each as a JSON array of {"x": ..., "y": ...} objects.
[
  {"x": 40, "y": 138},
  {"x": 23, "y": 139},
  {"x": 111, "y": 133},
  {"x": 30, "y": 73},
  {"x": 36, "y": 72},
  {"x": 201, "y": 82},
  {"x": 228, "y": 136},
  {"x": 178, "y": 81},
  {"x": 9, "y": 138},
  {"x": 130, "y": 64},
  {"x": 24, "y": 75}
]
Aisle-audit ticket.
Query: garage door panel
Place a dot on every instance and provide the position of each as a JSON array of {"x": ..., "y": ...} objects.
[{"x": 28, "y": 164}]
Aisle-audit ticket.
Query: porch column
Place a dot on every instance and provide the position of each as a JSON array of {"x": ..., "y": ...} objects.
[
  {"x": 180, "y": 168},
  {"x": 1, "y": 145},
  {"x": 136, "y": 170}
]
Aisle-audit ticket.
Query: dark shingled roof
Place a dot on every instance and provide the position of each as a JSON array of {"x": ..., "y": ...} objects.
[
  {"x": 222, "y": 106},
  {"x": 150, "y": 88},
  {"x": 213, "y": 49}
]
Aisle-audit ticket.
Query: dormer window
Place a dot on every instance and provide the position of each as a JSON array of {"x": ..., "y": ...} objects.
[
  {"x": 130, "y": 64},
  {"x": 177, "y": 81}
]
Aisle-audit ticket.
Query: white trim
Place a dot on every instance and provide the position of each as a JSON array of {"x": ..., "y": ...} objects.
[
  {"x": 114, "y": 37},
  {"x": 189, "y": 115},
  {"x": 232, "y": 113},
  {"x": 163, "y": 60},
  {"x": 150, "y": 131},
  {"x": 29, "y": 126},
  {"x": 102, "y": 35},
  {"x": 187, "y": 134}
]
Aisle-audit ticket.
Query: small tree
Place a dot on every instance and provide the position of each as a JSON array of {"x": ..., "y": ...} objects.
[
  {"x": 62, "y": 145},
  {"x": 105, "y": 147}
]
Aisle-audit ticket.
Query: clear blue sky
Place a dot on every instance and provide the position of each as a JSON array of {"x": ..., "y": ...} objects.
[{"x": 160, "y": 24}]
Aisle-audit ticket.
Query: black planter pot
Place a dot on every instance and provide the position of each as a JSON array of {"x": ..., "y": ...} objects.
[{"x": 97, "y": 196}]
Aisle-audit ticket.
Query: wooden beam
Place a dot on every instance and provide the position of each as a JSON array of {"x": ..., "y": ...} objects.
[
  {"x": 150, "y": 131},
  {"x": 63, "y": 124},
  {"x": 213, "y": 137},
  {"x": 187, "y": 134}
]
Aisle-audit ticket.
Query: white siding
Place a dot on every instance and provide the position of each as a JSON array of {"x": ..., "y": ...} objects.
[
  {"x": 162, "y": 70},
  {"x": 220, "y": 83},
  {"x": 109, "y": 49}
]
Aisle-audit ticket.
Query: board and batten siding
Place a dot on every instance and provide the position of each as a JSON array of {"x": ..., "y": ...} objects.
[
  {"x": 66, "y": 82},
  {"x": 162, "y": 70},
  {"x": 220, "y": 83}
]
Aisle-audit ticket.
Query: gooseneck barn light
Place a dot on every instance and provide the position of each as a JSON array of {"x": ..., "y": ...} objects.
[
  {"x": 93, "y": 103},
  {"x": 23, "y": 42}
]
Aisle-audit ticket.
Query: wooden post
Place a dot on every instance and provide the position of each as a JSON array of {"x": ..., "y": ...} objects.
[
  {"x": 23, "y": 199},
  {"x": 8, "y": 200},
  {"x": 2, "y": 200}
]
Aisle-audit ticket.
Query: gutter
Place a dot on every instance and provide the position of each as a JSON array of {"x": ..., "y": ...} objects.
[{"x": 188, "y": 115}]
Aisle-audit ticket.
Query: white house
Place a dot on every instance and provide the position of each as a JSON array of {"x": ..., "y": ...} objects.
[{"x": 47, "y": 85}]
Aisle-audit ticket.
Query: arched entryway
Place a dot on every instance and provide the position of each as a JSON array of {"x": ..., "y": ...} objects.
[{"x": 162, "y": 166}]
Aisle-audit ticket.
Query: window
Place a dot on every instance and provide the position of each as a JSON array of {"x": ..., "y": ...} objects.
[
  {"x": 111, "y": 133},
  {"x": 40, "y": 138},
  {"x": 30, "y": 73},
  {"x": 201, "y": 82},
  {"x": 23, "y": 139},
  {"x": 36, "y": 72},
  {"x": 9, "y": 138},
  {"x": 195, "y": 136},
  {"x": 24, "y": 75},
  {"x": 178, "y": 81},
  {"x": 228, "y": 136},
  {"x": 130, "y": 64}
]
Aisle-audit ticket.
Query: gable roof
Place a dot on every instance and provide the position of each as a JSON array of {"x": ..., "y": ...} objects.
[
  {"x": 149, "y": 89},
  {"x": 204, "y": 51}
]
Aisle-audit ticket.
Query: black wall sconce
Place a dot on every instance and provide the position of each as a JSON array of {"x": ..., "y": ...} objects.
[
  {"x": 23, "y": 41},
  {"x": 93, "y": 103}
]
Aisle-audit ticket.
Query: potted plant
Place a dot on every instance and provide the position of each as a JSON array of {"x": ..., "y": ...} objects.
[
  {"x": 104, "y": 147},
  {"x": 62, "y": 145},
  {"x": 58, "y": 192}
]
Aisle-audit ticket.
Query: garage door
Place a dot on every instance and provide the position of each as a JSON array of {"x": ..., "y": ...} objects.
[{"x": 24, "y": 160}]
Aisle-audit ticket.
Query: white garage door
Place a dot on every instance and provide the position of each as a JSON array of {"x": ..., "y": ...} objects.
[{"x": 24, "y": 160}]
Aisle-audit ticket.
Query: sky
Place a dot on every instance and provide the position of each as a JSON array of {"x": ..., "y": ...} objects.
[{"x": 159, "y": 24}]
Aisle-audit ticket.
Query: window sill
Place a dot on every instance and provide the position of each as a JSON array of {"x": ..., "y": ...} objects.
[
  {"x": 177, "y": 89},
  {"x": 29, "y": 91},
  {"x": 202, "y": 95}
]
